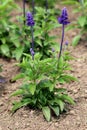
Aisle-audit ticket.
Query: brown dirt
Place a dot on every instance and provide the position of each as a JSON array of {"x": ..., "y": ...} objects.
[{"x": 27, "y": 119}]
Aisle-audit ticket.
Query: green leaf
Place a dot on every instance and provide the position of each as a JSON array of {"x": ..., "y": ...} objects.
[
  {"x": 60, "y": 90},
  {"x": 20, "y": 104},
  {"x": 55, "y": 110},
  {"x": 5, "y": 49},
  {"x": 70, "y": 27},
  {"x": 68, "y": 99},
  {"x": 3, "y": 40},
  {"x": 82, "y": 20},
  {"x": 68, "y": 78},
  {"x": 18, "y": 52},
  {"x": 61, "y": 80},
  {"x": 46, "y": 113},
  {"x": 18, "y": 76},
  {"x": 18, "y": 92},
  {"x": 61, "y": 62},
  {"x": 32, "y": 88},
  {"x": 60, "y": 103},
  {"x": 76, "y": 40},
  {"x": 37, "y": 56},
  {"x": 49, "y": 84},
  {"x": 37, "y": 33},
  {"x": 38, "y": 41}
]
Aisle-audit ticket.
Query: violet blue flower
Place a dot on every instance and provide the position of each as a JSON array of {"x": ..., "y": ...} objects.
[
  {"x": 66, "y": 43},
  {"x": 63, "y": 19},
  {"x": 32, "y": 51},
  {"x": 29, "y": 19}
]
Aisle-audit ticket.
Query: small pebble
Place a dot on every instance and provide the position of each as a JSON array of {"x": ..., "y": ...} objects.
[
  {"x": 0, "y": 128},
  {"x": 72, "y": 112},
  {"x": 85, "y": 91},
  {"x": 67, "y": 122},
  {"x": 25, "y": 116},
  {"x": 56, "y": 124},
  {"x": 16, "y": 124}
]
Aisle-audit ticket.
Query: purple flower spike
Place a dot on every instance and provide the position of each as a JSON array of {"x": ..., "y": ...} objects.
[
  {"x": 31, "y": 51},
  {"x": 63, "y": 19},
  {"x": 29, "y": 19}
]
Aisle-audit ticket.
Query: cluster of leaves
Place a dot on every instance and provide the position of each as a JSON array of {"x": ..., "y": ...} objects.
[
  {"x": 39, "y": 88},
  {"x": 5, "y": 39},
  {"x": 11, "y": 38},
  {"x": 81, "y": 22}
]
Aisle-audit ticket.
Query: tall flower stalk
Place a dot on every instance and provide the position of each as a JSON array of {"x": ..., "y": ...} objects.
[
  {"x": 30, "y": 22},
  {"x": 46, "y": 4},
  {"x": 63, "y": 19}
]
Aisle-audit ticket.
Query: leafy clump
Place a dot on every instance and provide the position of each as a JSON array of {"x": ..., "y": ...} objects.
[{"x": 39, "y": 89}]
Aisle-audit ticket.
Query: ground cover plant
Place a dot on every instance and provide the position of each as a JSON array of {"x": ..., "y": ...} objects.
[
  {"x": 41, "y": 77},
  {"x": 81, "y": 22}
]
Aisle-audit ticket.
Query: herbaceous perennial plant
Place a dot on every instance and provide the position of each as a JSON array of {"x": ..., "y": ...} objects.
[{"x": 41, "y": 78}]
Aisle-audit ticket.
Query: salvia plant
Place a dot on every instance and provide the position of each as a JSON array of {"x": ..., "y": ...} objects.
[
  {"x": 39, "y": 89},
  {"x": 81, "y": 22}
]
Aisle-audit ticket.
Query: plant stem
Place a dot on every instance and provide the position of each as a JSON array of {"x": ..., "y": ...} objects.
[
  {"x": 61, "y": 45},
  {"x": 32, "y": 44},
  {"x": 46, "y": 5}
]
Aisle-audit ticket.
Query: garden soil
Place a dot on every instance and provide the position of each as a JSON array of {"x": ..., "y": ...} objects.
[{"x": 27, "y": 119}]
